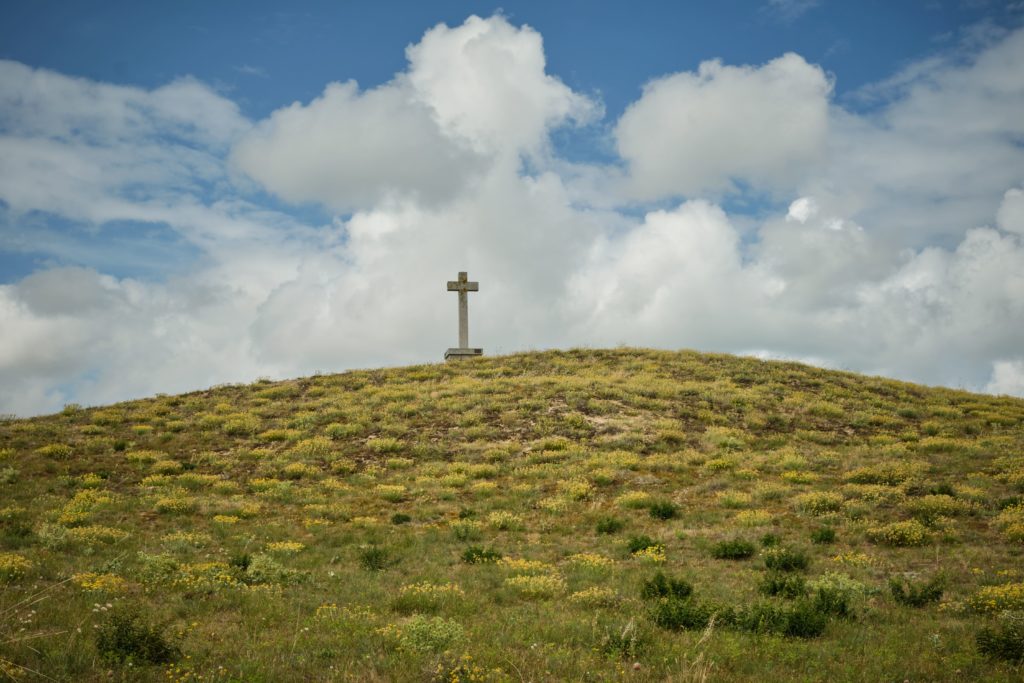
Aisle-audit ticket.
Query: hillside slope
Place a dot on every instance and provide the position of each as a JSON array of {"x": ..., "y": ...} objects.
[{"x": 507, "y": 519}]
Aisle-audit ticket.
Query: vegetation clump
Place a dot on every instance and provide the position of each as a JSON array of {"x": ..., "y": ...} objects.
[{"x": 733, "y": 549}]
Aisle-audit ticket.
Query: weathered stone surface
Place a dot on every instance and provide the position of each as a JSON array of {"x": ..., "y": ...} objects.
[{"x": 463, "y": 286}]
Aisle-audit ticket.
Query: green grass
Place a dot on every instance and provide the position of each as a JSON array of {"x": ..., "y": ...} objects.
[{"x": 544, "y": 516}]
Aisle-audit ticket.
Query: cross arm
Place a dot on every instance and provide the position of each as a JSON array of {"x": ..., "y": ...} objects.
[{"x": 454, "y": 286}]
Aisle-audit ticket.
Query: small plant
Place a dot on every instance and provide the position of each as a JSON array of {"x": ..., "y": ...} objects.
[
  {"x": 374, "y": 558},
  {"x": 835, "y": 593},
  {"x": 625, "y": 643},
  {"x": 663, "y": 510},
  {"x": 240, "y": 561},
  {"x": 126, "y": 638},
  {"x": 823, "y": 535},
  {"x": 637, "y": 543},
  {"x": 400, "y": 518},
  {"x": 785, "y": 559},
  {"x": 13, "y": 567},
  {"x": 541, "y": 586},
  {"x": 790, "y": 586},
  {"x": 769, "y": 540},
  {"x": 688, "y": 615},
  {"x": 609, "y": 525},
  {"x": 662, "y": 586},
  {"x": 1005, "y": 640},
  {"x": 802, "y": 620},
  {"x": 423, "y": 634},
  {"x": 475, "y": 554},
  {"x": 900, "y": 534},
  {"x": 916, "y": 594},
  {"x": 734, "y": 549}
]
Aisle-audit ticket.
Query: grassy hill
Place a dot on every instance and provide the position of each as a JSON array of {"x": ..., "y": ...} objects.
[{"x": 581, "y": 515}]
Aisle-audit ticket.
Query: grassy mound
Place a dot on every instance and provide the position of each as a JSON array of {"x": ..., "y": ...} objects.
[{"x": 582, "y": 515}]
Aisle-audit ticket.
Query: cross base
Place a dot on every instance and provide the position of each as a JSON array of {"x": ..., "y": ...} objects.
[{"x": 460, "y": 353}]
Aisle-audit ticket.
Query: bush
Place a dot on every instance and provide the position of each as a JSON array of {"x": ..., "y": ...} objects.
[
  {"x": 785, "y": 559},
  {"x": 687, "y": 615},
  {"x": 400, "y": 518},
  {"x": 801, "y": 620},
  {"x": 626, "y": 643},
  {"x": 422, "y": 634},
  {"x": 900, "y": 534},
  {"x": 609, "y": 525},
  {"x": 735, "y": 549},
  {"x": 637, "y": 543},
  {"x": 125, "y": 637},
  {"x": 823, "y": 535},
  {"x": 1005, "y": 640},
  {"x": 374, "y": 558},
  {"x": 662, "y": 586},
  {"x": 913, "y": 594},
  {"x": 769, "y": 540},
  {"x": 474, "y": 554},
  {"x": 663, "y": 510},
  {"x": 835, "y": 592},
  {"x": 784, "y": 585}
]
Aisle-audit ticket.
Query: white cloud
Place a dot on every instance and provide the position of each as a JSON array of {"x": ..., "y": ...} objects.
[
  {"x": 703, "y": 132},
  {"x": 1011, "y": 212},
  {"x": 471, "y": 93},
  {"x": 349, "y": 150},
  {"x": 485, "y": 82},
  {"x": 936, "y": 159},
  {"x": 429, "y": 168},
  {"x": 1007, "y": 378}
]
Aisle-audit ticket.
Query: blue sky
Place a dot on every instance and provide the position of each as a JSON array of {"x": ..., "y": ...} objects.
[
  {"x": 267, "y": 54},
  {"x": 194, "y": 192}
]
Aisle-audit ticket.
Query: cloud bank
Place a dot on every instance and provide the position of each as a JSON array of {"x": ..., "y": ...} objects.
[{"x": 892, "y": 241}]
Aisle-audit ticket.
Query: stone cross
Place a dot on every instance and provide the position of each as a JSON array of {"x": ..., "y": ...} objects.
[{"x": 463, "y": 286}]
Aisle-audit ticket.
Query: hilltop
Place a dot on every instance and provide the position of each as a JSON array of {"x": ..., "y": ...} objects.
[{"x": 581, "y": 515}]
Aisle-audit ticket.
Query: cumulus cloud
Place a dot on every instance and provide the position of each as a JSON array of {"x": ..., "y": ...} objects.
[
  {"x": 472, "y": 95},
  {"x": 349, "y": 150},
  {"x": 425, "y": 175},
  {"x": 692, "y": 133},
  {"x": 936, "y": 156},
  {"x": 1007, "y": 378},
  {"x": 1011, "y": 212}
]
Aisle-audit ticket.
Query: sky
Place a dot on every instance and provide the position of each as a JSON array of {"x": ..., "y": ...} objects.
[{"x": 197, "y": 193}]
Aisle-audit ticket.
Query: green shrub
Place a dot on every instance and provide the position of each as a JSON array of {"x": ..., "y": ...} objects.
[
  {"x": 663, "y": 509},
  {"x": 126, "y": 638},
  {"x": 264, "y": 569},
  {"x": 781, "y": 584},
  {"x": 400, "y": 518},
  {"x": 662, "y": 586},
  {"x": 423, "y": 634},
  {"x": 475, "y": 554},
  {"x": 917, "y": 594},
  {"x": 687, "y": 615},
  {"x": 374, "y": 558},
  {"x": 900, "y": 534},
  {"x": 800, "y": 620},
  {"x": 769, "y": 540},
  {"x": 57, "y": 451},
  {"x": 734, "y": 549},
  {"x": 637, "y": 543},
  {"x": 625, "y": 643},
  {"x": 785, "y": 559},
  {"x": 823, "y": 535},
  {"x": 609, "y": 525},
  {"x": 835, "y": 593},
  {"x": 1005, "y": 640}
]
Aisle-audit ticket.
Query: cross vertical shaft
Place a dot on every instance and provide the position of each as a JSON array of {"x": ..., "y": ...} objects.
[{"x": 463, "y": 318}]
